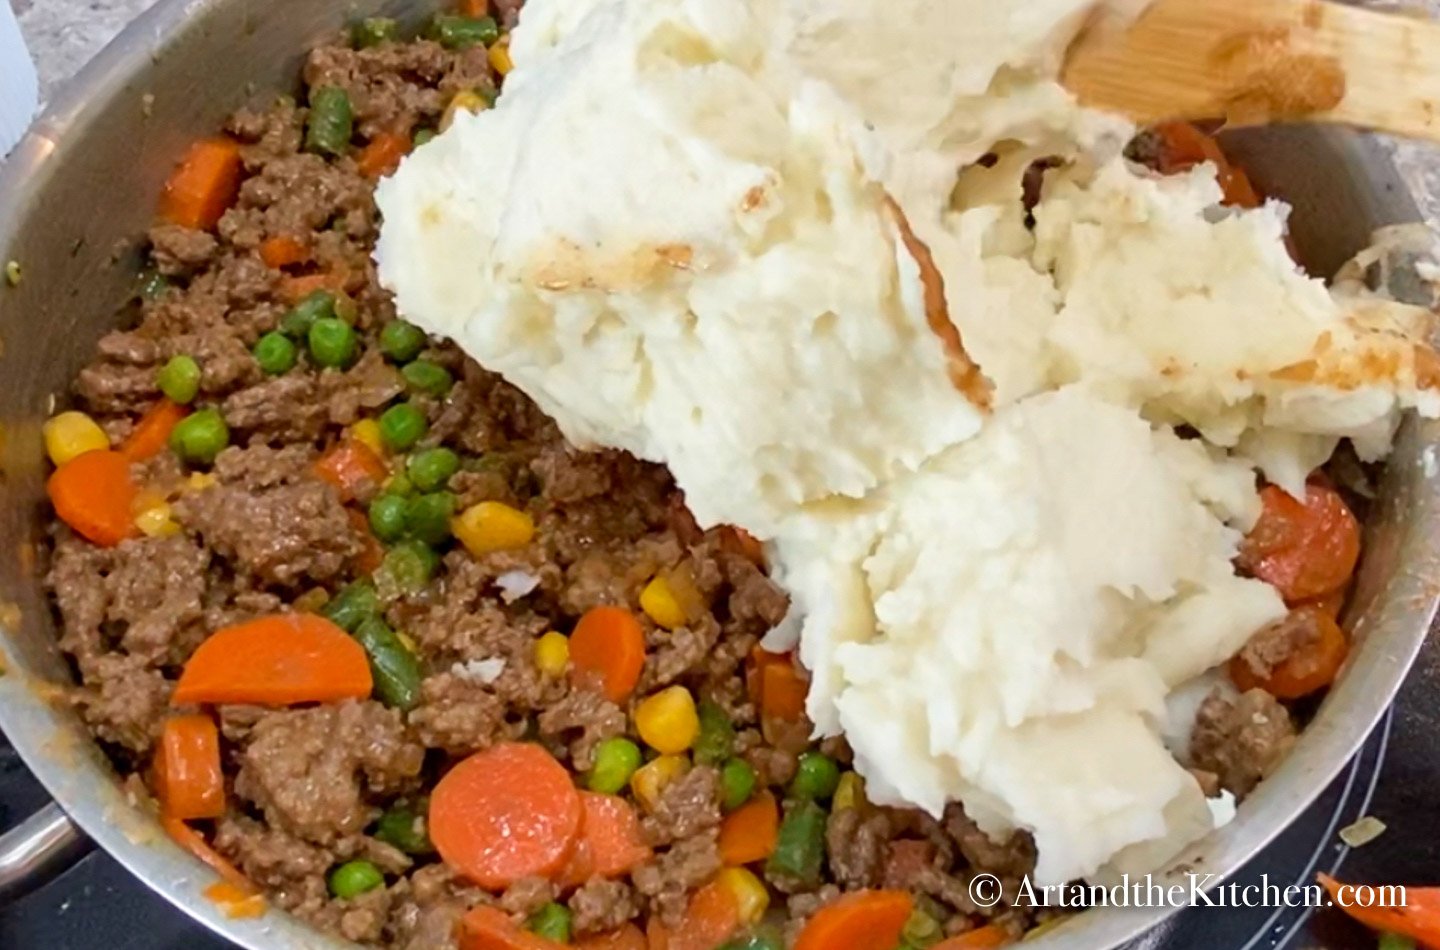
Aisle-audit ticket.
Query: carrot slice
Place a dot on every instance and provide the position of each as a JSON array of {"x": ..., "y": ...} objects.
[
  {"x": 275, "y": 661},
  {"x": 863, "y": 920},
  {"x": 782, "y": 692},
  {"x": 1183, "y": 146},
  {"x": 152, "y": 433},
  {"x": 609, "y": 642},
  {"x": 474, "y": 8},
  {"x": 508, "y": 812},
  {"x": 748, "y": 833},
  {"x": 755, "y": 671},
  {"x": 628, "y": 937},
  {"x": 657, "y": 935},
  {"x": 610, "y": 843},
  {"x": 742, "y": 542},
  {"x": 489, "y": 928},
  {"x": 1419, "y": 919},
  {"x": 296, "y": 288},
  {"x": 283, "y": 251},
  {"x": 350, "y": 466},
  {"x": 711, "y": 918},
  {"x": 235, "y": 901},
  {"x": 382, "y": 154},
  {"x": 94, "y": 494},
  {"x": 988, "y": 937},
  {"x": 188, "y": 777},
  {"x": 1305, "y": 549},
  {"x": 203, "y": 185},
  {"x": 1313, "y": 666},
  {"x": 372, "y": 553},
  {"x": 190, "y": 839}
]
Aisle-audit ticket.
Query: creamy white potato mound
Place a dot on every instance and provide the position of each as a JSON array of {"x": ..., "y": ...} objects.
[{"x": 750, "y": 239}]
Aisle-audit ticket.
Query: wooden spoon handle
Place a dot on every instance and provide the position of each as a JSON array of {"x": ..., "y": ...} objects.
[{"x": 1255, "y": 61}]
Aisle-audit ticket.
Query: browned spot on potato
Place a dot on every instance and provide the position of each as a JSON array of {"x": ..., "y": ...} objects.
[{"x": 1427, "y": 367}]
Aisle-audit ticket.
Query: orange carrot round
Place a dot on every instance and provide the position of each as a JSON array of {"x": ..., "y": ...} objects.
[
  {"x": 203, "y": 185},
  {"x": 1305, "y": 549},
  {"x": 608, "y": 642},
  {"x": 782, "y": 692},
  {"x": 489, "y": 928},
  {"x": 508, "y": 812},
  {"x": 989, "y": 937},
  {"x": 382, "y": 154},
  {"x": 188, "y": 777},
  {"x": 748, "y": 833},
  {"x": 611, "y": 843},
  {"x": 151, "y": 434},
  {"x": 863, "y": 920},
  {"x": 1314, "y": 666},
  {"x": 283, "y": 251},
  {"x": 628, "y": 937},
  {"x": 276, "y": 661},
  {"x": 711, "y": 918},
  {"x": 94, "y": 494},
  {"x": 349, "y": 466}
]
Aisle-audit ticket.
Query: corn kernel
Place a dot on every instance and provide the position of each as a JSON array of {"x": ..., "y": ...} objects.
[
  {"x": 660, "y": 604},
  {"x": 668, "y": 721},
  {"x": 199, "y": 481},
  {"x": 408, "y": 640},
  {"x": 466, "y": 100},
  {"x": 493, "y": 526},
  {"x": 850, "y": 793},
  {"x": 500, "y": 57},
  {"x": 649, "y": 780},
  {"x": 752, "y": 898},
  {"x": 367, "y": 433},
  {"x": 152, "y": 516},
  {"x": 552, "y": 654},
  {"x": 70, "y": 434}
]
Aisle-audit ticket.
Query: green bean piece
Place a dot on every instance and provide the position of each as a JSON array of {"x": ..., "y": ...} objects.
[
  {"x": 333, "y": 342},
  {"x": 179, "y": 379},
  {"x": 800, "y": 845},
  {"x": 816, "y": 776},
  {"x": 331, "y": 121},
  {"x": 716, "y": 741},
  {"x": 153, "y": 285},
  {"x": 200, "y": 436},
  {"x": 298, "y": 319},
  {"x": 372, "y": 31},
  {"x": 353, "y": 604},
  {"x": 387, "y": 517},
  {"x": 423, "y": 135},
  {"x": 404, "y": 828},
  {"x": 737, "y": 783},
  {"x": 354, "y": 878},
  {"x": 551, "y": 922},
  {"x": 462, "y": 32},
  {"x": 430, "y": 469},
  {"x": 275, "y": 353},
  {"x": 427, "y": 517},
  {"x": 1392, "y": 941},
  {"x": 616, "y": 760},
  {"x": 402, "y": 425},
  {"x": 401, "y": 341},
  {"x": 921, "y": 930},
  {"x": 395, "y": 670},
  {"x": 429, "y": 378},
  {"x": 410, "y": 565}
]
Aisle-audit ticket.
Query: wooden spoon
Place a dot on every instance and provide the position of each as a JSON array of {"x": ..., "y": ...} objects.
[{"x": 1255, "y": 61}]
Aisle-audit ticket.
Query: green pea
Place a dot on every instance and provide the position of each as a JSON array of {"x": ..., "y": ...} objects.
[
  {"x": 275, "y": 353},
  {"x": 387, "y": 517},
  {"x": 423, "y": 135},
  {"x": 179, "y": 379},
  {"x": 400, "y": 484},
  {"x": 401, "y": 341},
  {"x": 402, "y": 425},
  {"x": 372, "y": 31},
  {"x": 615, "y": 761},
  {"x": 331, "y": 121},
  {"x": 427, "y": 517},
  {"x": 200, "y": 436},
  {"x": 298, "y": 319},
  {"x": 429, "y": 378},
  {"x": 551, "y": 922},
  {"x": 737, "y": 783},
  {"x": 921, "y": 930},
  {"x": 816, "y": 776},
  {"x": 394, "y": 669},
  {"x": 430, "y": 469},
  {"x": 716, "y": 741},
  {"x": 463, "y": 32},
  {"x": 410, "y": 565},
  {"x": 405, "y": 829},
  {"x": 354, "y": 878},
  {"x": 332, "y": 342},
  {"x": 353, "y": 604}
]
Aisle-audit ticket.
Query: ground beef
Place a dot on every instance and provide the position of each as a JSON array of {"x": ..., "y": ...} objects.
[
  {"x": 678, "y": 651},
  {"x": 689, "y": 806},
  {"x": 459, "y": 715},
  {"x": 155, "y": 588},
  {"x": 178, "y": 250},
  {"x": 361, "y": 389},
  {"x": 583, "y": 719},
  {"x": 1241, "y": 739},
  {"x": 1012, "y": 857},
  {"x": 260, "y": 466},
  {"x": 309, "y": 769},
  {"x": 666, "y": 882},
  {"x": 600, "y": 905},
  {"x": 772, "y": 766},
  {"x": 123, "y": 701},
  {"x": 526, "y": 896},
  {"x": 855, "y": 841},
  {"x": 396, "y": 86},
  {"x": 1275, "y": 643},
  {"x": 281, "y": 409}
]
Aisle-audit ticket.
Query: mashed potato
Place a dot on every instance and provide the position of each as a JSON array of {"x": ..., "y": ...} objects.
[{"x": 753, "y": 240}]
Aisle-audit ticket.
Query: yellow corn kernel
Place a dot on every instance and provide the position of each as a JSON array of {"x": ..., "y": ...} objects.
[
  {"x": 660, "y": 604},
  {"x": 367, "y": 433},
  {"x": 199, "y": 481},
  {"x": 70, "y": 434},
  {"x": 500, "y": 59},
  {"x": 408, "y": 640},
  {"x": 552, "y": 654},
  {"x": 850, "y": 793},
  {"x": 667, "y": 721},
  {"x": 492, "y": 526},
  {"x": 152, "y": 516},
  {"x": 751, "y": 896},
  {"x": 649, "y": 780},
  {"x": 466, "y": 100}
]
